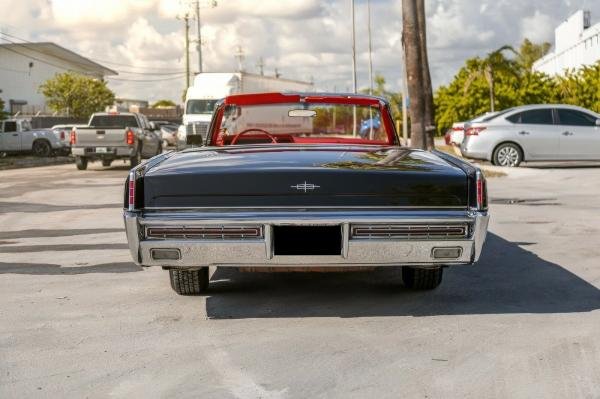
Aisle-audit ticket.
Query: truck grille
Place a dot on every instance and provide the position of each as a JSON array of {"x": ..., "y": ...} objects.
[
  {"x": 410, "y": 231},
  {"x": 206, "y": 233},
  {"x": 197, "y": 128}
]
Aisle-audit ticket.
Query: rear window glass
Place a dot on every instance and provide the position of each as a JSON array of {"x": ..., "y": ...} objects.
[
  {"x": 575, "y": 118},
  {"x": 533, "y": 117},
  {"x": 115, "y": 121}
]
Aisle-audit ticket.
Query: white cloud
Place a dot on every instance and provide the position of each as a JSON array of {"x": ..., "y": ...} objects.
[
  {"x": 301, "y": 38},
  {"x": 538, "y": 27}
]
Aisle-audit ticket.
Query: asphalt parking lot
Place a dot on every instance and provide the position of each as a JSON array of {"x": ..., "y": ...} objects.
[{"x": 79, "y": 319}]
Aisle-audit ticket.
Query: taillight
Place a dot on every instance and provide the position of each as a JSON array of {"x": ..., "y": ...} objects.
[
  {"x": 131, "y": 192},
  {"x": 130, "y": 137},
  {"x": 73, "y": 138},
  {"x": 480, "y": 191},
  {"x": 62, "y": 134},
  {"x": 474, "y": 131}
]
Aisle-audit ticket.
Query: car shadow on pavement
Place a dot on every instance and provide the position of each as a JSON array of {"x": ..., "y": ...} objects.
[
  {"x": 507, "y": 279},
  {"x": 51, "y": 269}
]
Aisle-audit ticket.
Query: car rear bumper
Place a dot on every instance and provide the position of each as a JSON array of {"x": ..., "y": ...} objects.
[
  {"x": 259, "y": 252},
  {"x": 111, "y": 152}
]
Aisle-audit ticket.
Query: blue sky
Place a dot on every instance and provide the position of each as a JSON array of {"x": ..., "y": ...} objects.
[{"x": 304, "y": 39}]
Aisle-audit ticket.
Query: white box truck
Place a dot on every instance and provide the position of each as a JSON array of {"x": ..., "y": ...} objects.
[{"x": 210, "y": 87}]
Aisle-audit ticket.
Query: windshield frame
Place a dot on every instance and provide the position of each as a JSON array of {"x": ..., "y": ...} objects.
[{"x": 312, "y": 98}]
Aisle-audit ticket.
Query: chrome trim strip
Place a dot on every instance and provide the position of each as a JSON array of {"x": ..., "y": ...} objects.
[{"x": 267, "y": 208}]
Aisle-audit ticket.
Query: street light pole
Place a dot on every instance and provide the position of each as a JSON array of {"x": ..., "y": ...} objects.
[
  {"x": 353, "y": 67},
  {"x": 370, "y": 47}
]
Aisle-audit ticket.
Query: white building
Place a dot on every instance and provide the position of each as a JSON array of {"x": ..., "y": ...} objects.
[
  {"x": 25, "y": 66},
  {"x": 577, "y": 43}
]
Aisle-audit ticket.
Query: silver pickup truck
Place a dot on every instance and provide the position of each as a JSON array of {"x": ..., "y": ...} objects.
[
  {"x": 115, "y": 135},
  {"x": 16, "y": 135}
]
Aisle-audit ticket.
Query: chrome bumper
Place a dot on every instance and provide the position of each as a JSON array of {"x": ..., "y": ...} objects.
[{"x": 258, "y": 252}]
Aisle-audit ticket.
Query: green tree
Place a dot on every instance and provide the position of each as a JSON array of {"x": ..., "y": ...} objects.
[
  {"x": 164, "y": 104},
  {"x": 76, "y": 95},
  {"x": 494, "y": 63},
  {"x": 513, "y": 86},
  {"x": 581, "y": 87},
  {"x": 531, "y": 52}
]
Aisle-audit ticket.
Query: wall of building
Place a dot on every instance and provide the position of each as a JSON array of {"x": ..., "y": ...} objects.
[
  {"x": 20, "y": 80},
  {"x": 575, "y": 46}
]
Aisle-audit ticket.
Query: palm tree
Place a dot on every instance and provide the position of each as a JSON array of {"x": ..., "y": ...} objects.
[{"x": 492, "y": 63}]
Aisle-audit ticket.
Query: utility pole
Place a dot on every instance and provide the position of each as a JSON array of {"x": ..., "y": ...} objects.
[
  {"x": 353, "y": 48},
  {"x": 199, "y": 36},
  {"x": 186, "y": 19},
  {"x": 370, "y": 47},
  {"x": 261, "y": 66}
]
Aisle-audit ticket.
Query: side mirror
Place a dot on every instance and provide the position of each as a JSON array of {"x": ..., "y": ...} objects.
[
  {"x": 153, "y": 126},
  {"x": 598, "y": 122}
]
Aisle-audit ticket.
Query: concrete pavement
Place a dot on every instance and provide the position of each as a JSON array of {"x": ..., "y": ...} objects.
[{"x": 79, "y": 319}]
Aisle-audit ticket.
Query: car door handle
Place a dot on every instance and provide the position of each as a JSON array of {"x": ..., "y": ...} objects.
[
  {"x": 567, "y": 133},
  {"x": 523, "y": 133}
]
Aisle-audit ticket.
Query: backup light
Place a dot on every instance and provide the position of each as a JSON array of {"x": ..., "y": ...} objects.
[
  {"x": 165, "y": 254},
  {"x": 446, "y": 252}
]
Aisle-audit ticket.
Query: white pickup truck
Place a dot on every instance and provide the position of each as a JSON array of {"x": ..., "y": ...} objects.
[
  {"x": 114, "y": 135},
  {"x": 16, "y": 135}
]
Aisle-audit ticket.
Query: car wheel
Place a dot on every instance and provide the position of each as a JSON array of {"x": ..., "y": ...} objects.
[
  {"x": 106, "y": 162},
  {"x": 81, "y": 163},
  {"x": 422, "y": 279},
  {"x": 41, "y": 148},
  {"x": 507, "y": 154},
  {"x": 136, "y": 159},
  {"x": 189, "y": 282}
]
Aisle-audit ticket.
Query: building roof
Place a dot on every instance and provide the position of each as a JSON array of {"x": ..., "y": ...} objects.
[{"x": 61, "y": 53}]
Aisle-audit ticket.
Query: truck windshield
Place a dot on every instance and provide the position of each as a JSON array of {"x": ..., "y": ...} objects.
[
  {"x": 200, "y": 106},
  {"x": 114, "y": 121},
  {"x": 302, "y": 123}
]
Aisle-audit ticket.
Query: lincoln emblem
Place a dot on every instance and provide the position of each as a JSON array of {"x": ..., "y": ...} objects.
[{"x": 305, "y": 186}]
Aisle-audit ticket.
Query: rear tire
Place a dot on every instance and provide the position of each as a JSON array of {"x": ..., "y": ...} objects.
[
  {"x": 189, "y": 282},
  {"x": 41, "y": 148},
  {"x": 507, "y": 154},
  {"x": 136, "y": 159},
  {"x": 106, "y": 162},
  {"x": 81, "y": 163},
  {"x": 422, "y": 279}
]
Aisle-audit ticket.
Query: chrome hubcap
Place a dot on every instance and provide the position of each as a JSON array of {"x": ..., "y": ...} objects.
[{"x": 508, "y": 156}]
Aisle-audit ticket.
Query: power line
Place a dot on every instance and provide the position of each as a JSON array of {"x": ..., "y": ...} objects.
[{"x": 146, "y": 80}]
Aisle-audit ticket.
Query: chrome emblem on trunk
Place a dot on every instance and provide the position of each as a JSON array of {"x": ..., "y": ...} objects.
[{"x": 305, "y": 186}]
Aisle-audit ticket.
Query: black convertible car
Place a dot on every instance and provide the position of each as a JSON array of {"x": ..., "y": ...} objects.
[{"x": 305, "y": 181}]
